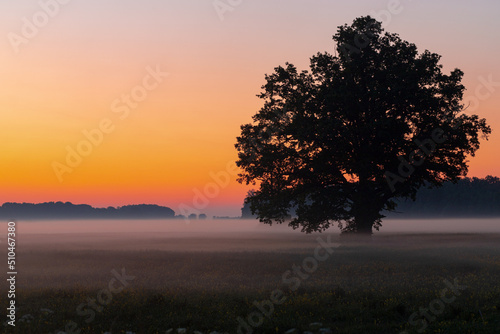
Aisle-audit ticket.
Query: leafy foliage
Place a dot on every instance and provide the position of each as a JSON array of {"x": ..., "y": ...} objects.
[{"x": 340, "y": 142}]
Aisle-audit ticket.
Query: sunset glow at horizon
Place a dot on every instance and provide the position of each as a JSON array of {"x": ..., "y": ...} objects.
[{"x": 160, "y": 89}]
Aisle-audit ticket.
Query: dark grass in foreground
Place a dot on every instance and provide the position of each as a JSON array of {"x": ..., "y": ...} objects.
[{"x": 359, "y": 289}]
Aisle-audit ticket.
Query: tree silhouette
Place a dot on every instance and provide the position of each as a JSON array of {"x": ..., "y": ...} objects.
[{"x": 341, "y": 142}]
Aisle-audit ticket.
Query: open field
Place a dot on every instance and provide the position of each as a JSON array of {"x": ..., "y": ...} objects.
[{"x": 206, "y": 281}]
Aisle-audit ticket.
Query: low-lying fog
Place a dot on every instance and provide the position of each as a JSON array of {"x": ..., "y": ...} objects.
[
  {"x": 216, "y": 226},
  {"x": 225, "y": 253},
  {"x": 212, "y": 235}
]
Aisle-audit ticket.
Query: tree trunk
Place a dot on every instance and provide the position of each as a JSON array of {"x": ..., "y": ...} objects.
[
  {"x": 365, "y": 211},
  {"x": 364, "y": 223}
]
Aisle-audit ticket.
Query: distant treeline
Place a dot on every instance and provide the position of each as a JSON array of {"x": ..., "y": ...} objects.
[
  {"x": 469, "y": 197},
  {"x": 60, "y": 210}
]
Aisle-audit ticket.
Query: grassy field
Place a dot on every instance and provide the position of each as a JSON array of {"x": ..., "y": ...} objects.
[{"x": 207, "y": 283}]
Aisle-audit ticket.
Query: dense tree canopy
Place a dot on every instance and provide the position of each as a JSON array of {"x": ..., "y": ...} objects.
[
  {"x": 467, "y": 198},
  {"x": 341, "y": 142}
]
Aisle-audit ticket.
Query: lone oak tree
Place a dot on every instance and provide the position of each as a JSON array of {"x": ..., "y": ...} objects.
[{"x": 340, "y": 143}]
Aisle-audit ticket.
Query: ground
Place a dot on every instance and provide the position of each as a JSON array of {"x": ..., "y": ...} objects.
[{"x": 149, "y": 283}]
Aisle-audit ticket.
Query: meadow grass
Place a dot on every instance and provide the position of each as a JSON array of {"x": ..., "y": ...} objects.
[{"x": 361, "y": 288}]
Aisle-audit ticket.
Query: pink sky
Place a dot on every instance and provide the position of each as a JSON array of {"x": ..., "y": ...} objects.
[{"x": 63, "y": 77}]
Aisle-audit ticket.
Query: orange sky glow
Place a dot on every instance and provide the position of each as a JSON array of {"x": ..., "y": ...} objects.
[{"x": 168, "y": 84}]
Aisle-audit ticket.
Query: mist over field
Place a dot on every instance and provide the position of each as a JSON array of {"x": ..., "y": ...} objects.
[
  {"x": 208, "y": 274},
  {"x": 214, "y": 227}
]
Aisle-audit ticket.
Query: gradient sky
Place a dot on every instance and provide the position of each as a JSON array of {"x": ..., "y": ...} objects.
[{"x": 67, "y": 74}]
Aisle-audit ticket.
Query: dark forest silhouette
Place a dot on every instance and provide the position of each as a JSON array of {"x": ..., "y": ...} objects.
[
  {"x": 67, "y": 210},
  {"x": 469, "y": 197}
]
